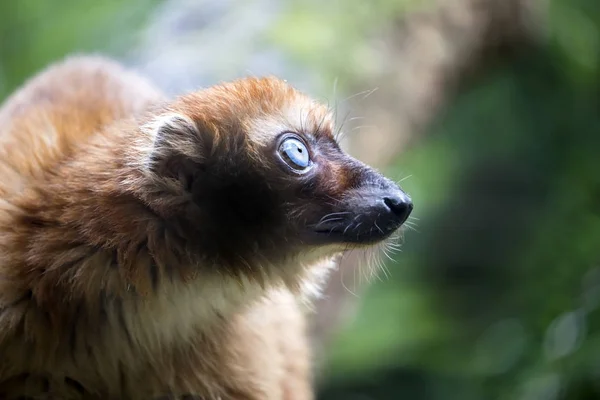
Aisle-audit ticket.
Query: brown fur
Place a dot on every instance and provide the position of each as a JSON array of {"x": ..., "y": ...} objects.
[
  {"x": 152, "y": 247},
  {"x": 68, "y": 196}
]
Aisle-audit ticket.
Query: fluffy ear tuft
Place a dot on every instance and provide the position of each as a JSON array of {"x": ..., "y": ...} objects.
[{"x": 176, "y": 143}]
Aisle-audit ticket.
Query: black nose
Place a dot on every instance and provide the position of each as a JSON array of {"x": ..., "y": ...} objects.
[{"x": 400, "y": 204}]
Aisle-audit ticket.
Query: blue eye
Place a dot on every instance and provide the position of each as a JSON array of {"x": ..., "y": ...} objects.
[{"x": 295, "y": 154}]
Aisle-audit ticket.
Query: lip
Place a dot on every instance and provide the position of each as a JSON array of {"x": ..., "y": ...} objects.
[{"x": 352, "y": 233}]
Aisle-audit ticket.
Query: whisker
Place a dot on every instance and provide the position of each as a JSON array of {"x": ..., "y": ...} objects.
[
  {"x": 321, "y": 123},
  {"x": 349, "y": 225},
  {"x": 387, "y": 255},
  {"x": 335, "y": 107},
  {"x": 361, "y": 127},
  {"x": 331, "y": 219},
  {"x": 342, "y": 279},
  {"x": 334, "y": 214},
  {"x": 378, "y": 265},
  {"x": 327, "y": 221},
  {"x": 377, "y": 226},
  {"x": 363, "y": 274},
  {"x": 336, "y": 201},
  {"x": 412, "y": 228},
  {"x": 393, "y": 246},
  {"x": 367, "y": 93},
  {"x": 301, "y": 120},
  {"x": 338, "y": 135},
  {"x": 355, "y": 228},
  {"x": 355, "y": 118}
]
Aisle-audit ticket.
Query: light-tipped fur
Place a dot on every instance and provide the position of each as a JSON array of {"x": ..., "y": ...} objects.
[
  {"x": 153, "y": 246},
  {"x": 73, "y": 321}
]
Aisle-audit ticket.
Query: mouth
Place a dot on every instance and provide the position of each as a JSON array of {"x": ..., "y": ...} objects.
[
  {"x": 355, "y": 230},
  {"x": 372, "y": 217}
]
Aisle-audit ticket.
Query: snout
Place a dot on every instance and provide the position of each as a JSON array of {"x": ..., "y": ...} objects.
[{"x": 367, "y": 215}]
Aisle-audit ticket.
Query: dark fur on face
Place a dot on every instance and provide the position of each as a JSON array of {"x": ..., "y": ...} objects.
[{"x": 247, "y": 206}]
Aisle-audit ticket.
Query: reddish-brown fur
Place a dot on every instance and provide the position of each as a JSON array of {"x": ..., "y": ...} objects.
[{"x": 75, "y": 202}]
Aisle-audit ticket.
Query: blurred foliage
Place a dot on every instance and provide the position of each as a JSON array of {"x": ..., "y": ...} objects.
[
  {"x": 496, "y": 294},
  {"x": 35, "y": 33},
  {"x": 337, "y": 37},
  {"x": 508, "y": 257},
  {"x": 574, "y": 31}
]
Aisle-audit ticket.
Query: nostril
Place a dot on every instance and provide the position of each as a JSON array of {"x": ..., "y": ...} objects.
[{"x": 400, "y": 206}]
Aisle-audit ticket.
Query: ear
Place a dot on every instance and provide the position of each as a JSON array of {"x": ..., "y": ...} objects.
[{"x": 176, "y": 144}]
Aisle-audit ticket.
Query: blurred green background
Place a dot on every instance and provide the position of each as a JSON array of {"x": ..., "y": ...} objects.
[{"x": 489, "y": 113}]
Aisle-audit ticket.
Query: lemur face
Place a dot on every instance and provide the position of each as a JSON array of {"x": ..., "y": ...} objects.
[
  {"x": 265, "y": 177},
  {"x": 343, "y": 200}
]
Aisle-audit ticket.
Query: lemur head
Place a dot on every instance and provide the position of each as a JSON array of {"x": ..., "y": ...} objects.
[{"x": 250, "y": 175}]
